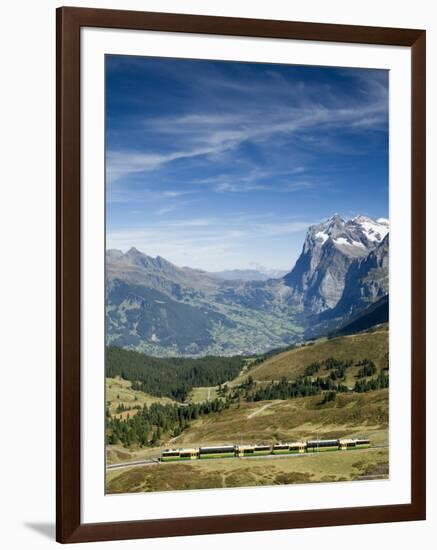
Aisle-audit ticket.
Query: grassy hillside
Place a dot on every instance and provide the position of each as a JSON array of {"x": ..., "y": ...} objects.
[
  {"x": 351, "y": 414},
  {"x": 201, "y": 394},
  {"x": 252, "y": 407},
  {"x": 208, "y": 474},
  {"x": 291, "y": 364}
]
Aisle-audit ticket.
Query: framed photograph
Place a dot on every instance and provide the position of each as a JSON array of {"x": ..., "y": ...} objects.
[{"x": 241, "y": 274}]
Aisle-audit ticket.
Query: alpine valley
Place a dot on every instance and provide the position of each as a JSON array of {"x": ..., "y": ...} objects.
[{"x": 339, "y": 284}]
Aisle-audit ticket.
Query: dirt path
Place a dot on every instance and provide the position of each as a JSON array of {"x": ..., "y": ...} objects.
[{"x": 263, "y": 408}]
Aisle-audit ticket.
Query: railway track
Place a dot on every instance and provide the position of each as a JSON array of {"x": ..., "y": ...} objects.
[{"x": 146, "y": 462}]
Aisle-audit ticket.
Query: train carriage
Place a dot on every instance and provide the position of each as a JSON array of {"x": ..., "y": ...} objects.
[
  {"x": 322, "y": 445},
  {"x": 244, "y": 450},
  {"x": 298, "y": 447},
  {"x": 281, "y": 448},
  {"x": 262, "y": 450},
  {"x": 347, "y": 444},
  {"x": 252, "y": 450},
  {"x": 170, "y": 455},
  {"x": 222, "y": 451},
  {"x": 287, "y": 448}
]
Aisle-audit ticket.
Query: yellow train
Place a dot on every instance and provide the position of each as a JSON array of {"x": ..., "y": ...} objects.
[{"x": 229, "y": 451}]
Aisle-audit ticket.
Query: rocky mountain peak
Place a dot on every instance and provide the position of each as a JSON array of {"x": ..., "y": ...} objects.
[
  {"x": 318, "y": 278},
  {"x": 134, "y": 255},
  {"x": 355, "y": 237}
]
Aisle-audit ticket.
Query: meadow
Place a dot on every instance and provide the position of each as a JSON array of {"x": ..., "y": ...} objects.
[
  {"x": 226, "y": 473},
  {"x": 291, "y": 364}
]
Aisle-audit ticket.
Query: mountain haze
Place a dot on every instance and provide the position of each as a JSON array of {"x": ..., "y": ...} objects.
[{"x": 248, "y": 274}]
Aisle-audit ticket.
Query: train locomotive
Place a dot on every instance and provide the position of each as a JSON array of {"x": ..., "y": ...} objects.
[{"x": 242, "y": 451}]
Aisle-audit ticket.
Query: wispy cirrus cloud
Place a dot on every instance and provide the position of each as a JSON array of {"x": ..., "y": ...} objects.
[
  {"x": 205, "y": 134},
  {"x": 165, "y": 210},
  {"x": 123, "y": 163}
]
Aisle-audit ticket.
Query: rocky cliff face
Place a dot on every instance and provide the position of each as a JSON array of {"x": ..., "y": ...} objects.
[
  {"x": 318, "y": 280},
  {"x": 366, "y": 281}
]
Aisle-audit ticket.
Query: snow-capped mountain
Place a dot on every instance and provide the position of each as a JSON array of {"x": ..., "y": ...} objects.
[
  {"x": 318, "y": 279},
  {"x": 360, "y": 232}
]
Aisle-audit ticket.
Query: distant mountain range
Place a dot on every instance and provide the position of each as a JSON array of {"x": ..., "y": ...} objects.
[
  {"x": 161, "y": 309},
  {"x": 249, "y": 274}
]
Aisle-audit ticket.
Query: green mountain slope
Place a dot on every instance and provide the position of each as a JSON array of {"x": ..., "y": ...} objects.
[
  {"x": 375, "y": 314},
  {"x": 167, "y": 319},
  {"x": 291, "y": 364}
]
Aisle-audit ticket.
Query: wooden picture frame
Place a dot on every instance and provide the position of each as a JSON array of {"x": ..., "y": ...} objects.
[{"x": 68, "y": 521}]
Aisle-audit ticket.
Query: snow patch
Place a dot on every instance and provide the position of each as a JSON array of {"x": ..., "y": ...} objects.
[
  {"x": 358, "y": 243},
  {"x": 343, "y": 241},
  {"x": 322, "y": 235},
  {"x": 375, "y": 231}
]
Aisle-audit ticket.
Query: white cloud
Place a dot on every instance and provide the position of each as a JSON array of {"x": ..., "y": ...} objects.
[{"x": 173, "y": 194}]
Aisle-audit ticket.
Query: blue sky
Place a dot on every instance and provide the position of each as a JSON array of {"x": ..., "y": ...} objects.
[{"x": 220, "y": 165}]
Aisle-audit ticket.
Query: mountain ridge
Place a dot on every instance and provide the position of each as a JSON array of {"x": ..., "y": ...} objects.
[{"x": 162, "y": 309}]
